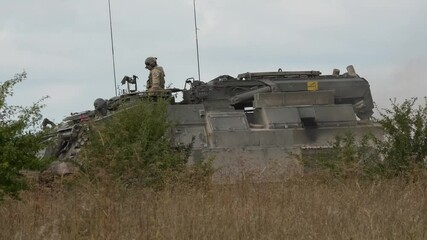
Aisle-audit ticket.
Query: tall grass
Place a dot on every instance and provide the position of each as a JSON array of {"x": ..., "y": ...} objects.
[{"x": 303, "y": 208}]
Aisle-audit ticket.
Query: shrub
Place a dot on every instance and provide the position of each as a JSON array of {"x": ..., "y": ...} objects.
[
  {"x": 135, "y": 147},
  {"x": 401, "y": 151},
  {"x": 405, "y": 137},
  {"x": 19, "y": 142},
  {"x": 347, "y": 157}
]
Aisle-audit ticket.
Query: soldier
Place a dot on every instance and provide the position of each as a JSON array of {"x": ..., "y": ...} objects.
[
  {"x": 101, "y": 107},
  {"x": 156, "y": 79}
]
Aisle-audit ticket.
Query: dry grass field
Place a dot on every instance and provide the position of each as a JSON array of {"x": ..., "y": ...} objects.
[{"x": 303, "y": 208}]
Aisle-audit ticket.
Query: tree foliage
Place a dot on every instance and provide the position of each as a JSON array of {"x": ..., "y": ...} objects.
[{"x": 19, "y": 142}]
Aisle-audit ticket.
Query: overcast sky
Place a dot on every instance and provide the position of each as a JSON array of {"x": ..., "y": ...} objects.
[{"x": 65, "y": 48}]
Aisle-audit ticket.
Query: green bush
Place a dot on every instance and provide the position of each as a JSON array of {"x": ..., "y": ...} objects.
[
  {"x": 404, "y": 146},
  {"x": 401, "y": 151},
  {"x": 135, "y": 147},
  {"x": 19, "y": 142},
  {"x": 347, "y": 157}
]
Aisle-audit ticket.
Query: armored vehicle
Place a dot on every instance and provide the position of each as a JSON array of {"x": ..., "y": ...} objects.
[{"x": 254, "y": 123}]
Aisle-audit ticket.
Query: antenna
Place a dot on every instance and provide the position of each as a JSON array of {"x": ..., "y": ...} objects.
[
  {"x": 112, "y": 49},
  {"x": 197, "y": 38}
]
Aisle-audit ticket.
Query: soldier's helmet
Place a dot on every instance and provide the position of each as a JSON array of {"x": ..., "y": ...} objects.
[
  {"x": 101, "y": 107},
  {"x": 151, "y": 61}
]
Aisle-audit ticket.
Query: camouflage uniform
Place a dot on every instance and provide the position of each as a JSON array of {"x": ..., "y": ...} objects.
[{"x": 156, "y": 79}]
